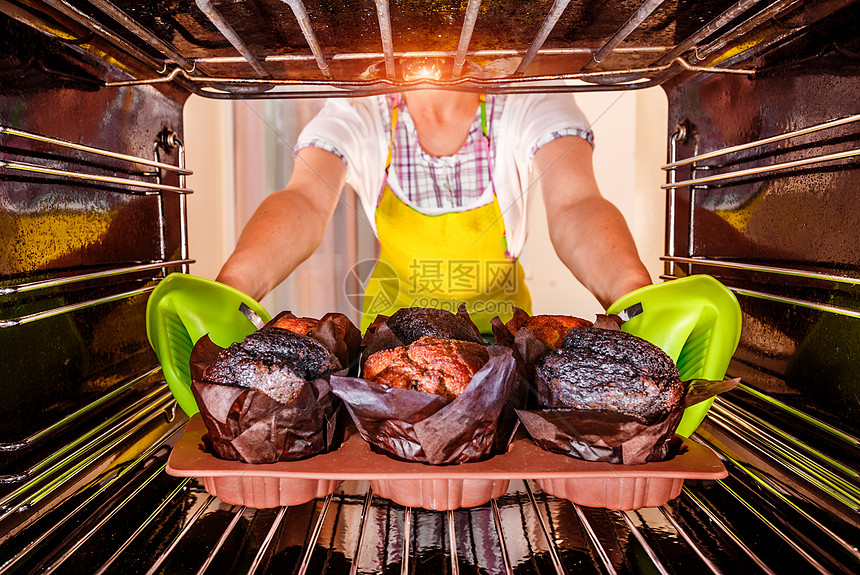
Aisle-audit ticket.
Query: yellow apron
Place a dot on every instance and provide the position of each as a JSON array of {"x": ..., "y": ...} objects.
[{"x": 440, "y": 261}]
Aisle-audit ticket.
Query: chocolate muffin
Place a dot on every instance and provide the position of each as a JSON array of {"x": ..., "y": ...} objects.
[
  {"x": 551, "y": 329},
  {"x": 613, "y": 371},
  {"x": 412, "y": 323},
  {"x": 429, "y": 365},
  {"x": 274, "y": 361}
]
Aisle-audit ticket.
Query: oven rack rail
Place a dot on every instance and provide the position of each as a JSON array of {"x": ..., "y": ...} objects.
[
  {"x": 151, "y": 187},
  {"x": 696, "y": 183},
  {"x": 47, "y": 433},
  {"x": 694, "y": 161},
  {"x": 775, "y": 297},
  {"x": 701, "y": 531},
  {"x": 720, "y": 41},
  {"x": 11, "y": 322},
  {"x": 167, "y": 140}
]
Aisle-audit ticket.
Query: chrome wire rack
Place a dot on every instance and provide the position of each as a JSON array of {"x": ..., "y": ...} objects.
[
  {"x": 750, "y": 522},
  {"x": 289, "y": 48}
]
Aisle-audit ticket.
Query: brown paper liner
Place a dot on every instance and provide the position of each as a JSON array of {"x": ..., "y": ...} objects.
[
  {"x": 247, "y": 425},
  {"x": 595, "y": 435},
  {"x": 414, "y": 426}
]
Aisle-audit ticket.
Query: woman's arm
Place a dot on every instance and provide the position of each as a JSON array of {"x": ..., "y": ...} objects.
[
  {"x": 589, "y": 233},
  {"x": 287, "y": 226}
]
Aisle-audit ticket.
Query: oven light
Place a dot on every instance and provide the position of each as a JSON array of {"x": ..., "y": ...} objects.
[{"x": 421, "y": 69}]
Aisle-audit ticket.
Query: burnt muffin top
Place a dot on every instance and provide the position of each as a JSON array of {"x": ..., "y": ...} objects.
[
  {"x": 273, "y": 360},
  {"x": 411, "y": 323},
  {"x": 623, "y": 347},
  {"x": 612, "y": 371}
]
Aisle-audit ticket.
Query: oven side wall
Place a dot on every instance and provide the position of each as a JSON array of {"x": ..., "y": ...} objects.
[
  {"x": 800, "y": 335},
  {"x": 56, "y": 227}
]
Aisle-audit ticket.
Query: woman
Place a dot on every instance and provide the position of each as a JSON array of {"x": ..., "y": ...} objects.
[{"x": 445, "y": 177}]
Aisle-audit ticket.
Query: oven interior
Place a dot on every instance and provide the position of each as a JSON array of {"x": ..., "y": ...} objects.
[{"x": 761, "y": 192}]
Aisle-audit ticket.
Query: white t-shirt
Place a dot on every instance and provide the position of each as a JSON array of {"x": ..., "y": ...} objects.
[{"x": 356, "y": 130}]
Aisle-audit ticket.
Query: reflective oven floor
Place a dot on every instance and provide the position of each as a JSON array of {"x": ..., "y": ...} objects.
[{"x": 126, "y": 515}]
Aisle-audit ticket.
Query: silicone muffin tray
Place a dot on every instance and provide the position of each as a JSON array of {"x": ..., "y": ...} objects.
[{"x": 441, "y": 488}]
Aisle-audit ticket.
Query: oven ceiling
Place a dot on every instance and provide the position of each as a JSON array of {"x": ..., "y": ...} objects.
[{"x": 229, "y": 48}]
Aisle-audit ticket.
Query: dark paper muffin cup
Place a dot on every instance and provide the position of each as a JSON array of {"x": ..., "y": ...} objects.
[
  {"x": 594, "y": 435},
  {"x": 414, "y": 426},
  {"x": 247, "y": 425}
]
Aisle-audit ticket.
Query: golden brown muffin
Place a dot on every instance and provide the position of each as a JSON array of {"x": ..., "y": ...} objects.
[
  {"x": 430, "y": 365},
  {"x": 551, "y": 329},
  {"x": 299, "y": 325}
]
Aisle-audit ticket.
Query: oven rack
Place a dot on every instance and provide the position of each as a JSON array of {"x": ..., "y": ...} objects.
[
  {"x": 694, "y": 183},
  {"x": 151, "y": 187},
  {"x": 681, "y": 134},
  {"x": 763, "y": 521},
  {"x": 733, "y": 36},
  {"x": 59, "y": 426},
  {"x": 167, "y": 140},
  {"x": 774, "y": 297}
]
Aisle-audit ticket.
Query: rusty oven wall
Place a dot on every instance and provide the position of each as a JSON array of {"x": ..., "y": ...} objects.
[
  {"x": 805, "y": 219},
  {"x": 52, "y": 227}
]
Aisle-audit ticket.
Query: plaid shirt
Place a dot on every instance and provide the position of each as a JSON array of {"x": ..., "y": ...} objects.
[
  {"x": 447, "y": 181},
  {"x": 455, "y": 181}
]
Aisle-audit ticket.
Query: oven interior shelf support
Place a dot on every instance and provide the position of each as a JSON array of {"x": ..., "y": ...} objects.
[
  {"x": 30, "y": 318},
  {"x": 63, "y": 423},
  {"x": 786, "y": 300},
  {"x": 764, "y": 170},
  {"x": 776, "y": 270},
  {"x": 686, "y": 55},
  {"x": 113, "y": 272},
  {"x": 9, "y": 131},
  {"x": 763, "y": 142},
  {"x": 790, "y": 461},
  {"x": 63, "y": 466}
]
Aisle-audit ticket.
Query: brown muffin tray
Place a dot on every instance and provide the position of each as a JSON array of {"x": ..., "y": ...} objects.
[{"x": 592, "y": 484}]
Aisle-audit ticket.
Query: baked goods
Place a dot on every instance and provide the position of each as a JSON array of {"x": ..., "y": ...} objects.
[
  {"x": 549, "y": 329},
  {"x": 334, "y": 330},
  {"x": 429, "y": 364},
  {"x": 412, "y": 323},
  {"x": 343, "y": 328},
  {"x": 601, "y": 369},
  {"x": 301, "y": 325},
  {"x": 274, "y": 361}
]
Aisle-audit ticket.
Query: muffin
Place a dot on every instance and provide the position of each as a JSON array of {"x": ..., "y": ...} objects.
[
  {"x": 610, "y": 370},
  {"x": 549, "y": 329},
  {"x": 429, "y": 365},
  {"x": 274, "y": 361},
  {"x": 411, "y": 323},
  {"x": 335, "y": 330},
  {"x": 268, "y": 397}
]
